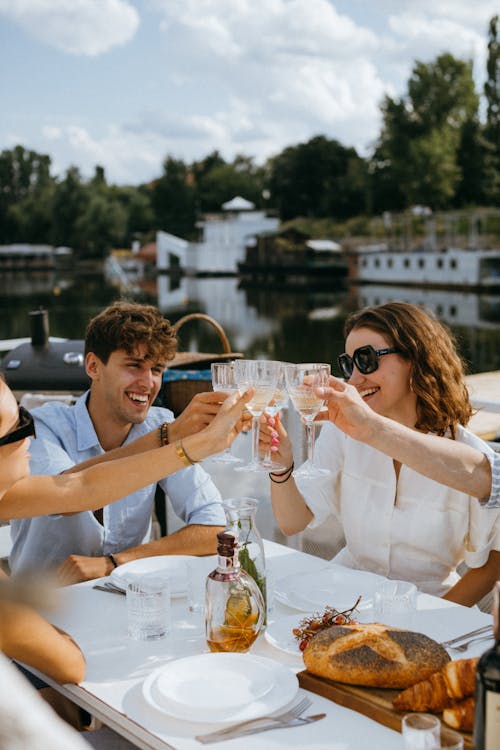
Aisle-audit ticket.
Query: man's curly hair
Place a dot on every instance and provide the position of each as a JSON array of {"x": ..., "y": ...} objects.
[{"x": 125, "y": 325}]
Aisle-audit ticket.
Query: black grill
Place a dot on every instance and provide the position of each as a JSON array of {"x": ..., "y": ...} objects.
[{"x": 57, "y": 366}]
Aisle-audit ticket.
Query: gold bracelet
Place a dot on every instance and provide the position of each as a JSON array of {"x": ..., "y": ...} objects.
[
  {"x": 163, "y": 434},
  {"x": 183, "y": 455}
]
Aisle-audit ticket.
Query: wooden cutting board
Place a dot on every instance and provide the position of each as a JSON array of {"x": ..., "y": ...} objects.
[{"x": 376, "y": 703}]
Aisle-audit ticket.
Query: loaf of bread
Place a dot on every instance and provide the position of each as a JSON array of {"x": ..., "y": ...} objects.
[
  {"x": 374, "y": 655},
  {"x": 461, "y": 715},
  {"x": 453, "y": 683}
]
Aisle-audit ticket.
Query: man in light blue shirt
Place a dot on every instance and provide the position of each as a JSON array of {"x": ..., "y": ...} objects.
[{"x": 126, "y": 349}]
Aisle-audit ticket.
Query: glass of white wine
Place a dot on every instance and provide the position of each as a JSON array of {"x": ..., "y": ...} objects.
[
  {"x": 223, "y": 380},
  {"x": 302, "y": 381},
  {"x": 277, "y": 403},
  {"x": 262, "y": 376}
]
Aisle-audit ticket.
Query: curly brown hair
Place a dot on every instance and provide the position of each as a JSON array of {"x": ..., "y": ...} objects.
[
  {"x": 437, "y": 370},
  {"x": 125, "y": 325}
]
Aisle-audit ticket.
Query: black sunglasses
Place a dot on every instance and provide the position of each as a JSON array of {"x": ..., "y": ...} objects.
[
  {"x": 24, "y": 429},
  {"x": 365, "y": 358}
]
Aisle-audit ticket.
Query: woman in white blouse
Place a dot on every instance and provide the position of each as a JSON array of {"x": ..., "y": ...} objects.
[{"x": 397, "y": 522}]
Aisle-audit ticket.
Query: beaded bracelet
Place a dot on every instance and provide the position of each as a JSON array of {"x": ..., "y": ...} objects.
[
  {"x": 113, "y": 560},
  {"x": 163, "y": 434},
  {"x": 284, "y": 476},
  {"x": 183, "y": 455}
]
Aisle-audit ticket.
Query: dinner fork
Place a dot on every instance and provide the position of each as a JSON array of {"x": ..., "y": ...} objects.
[
  {"x": 114, "y": 587},
  {"x": 243, "y": 726},
  {"x": 478, "y": 631},
  {"x": 464, "y": 646}
]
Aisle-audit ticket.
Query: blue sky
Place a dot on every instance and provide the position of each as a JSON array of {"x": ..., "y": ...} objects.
[{"x": 122, "y": 83}]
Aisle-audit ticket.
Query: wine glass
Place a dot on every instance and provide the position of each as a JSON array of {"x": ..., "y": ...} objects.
[
  {"x": 262, "y": 376},
  {"x": 223, "y": 380},
  {"x": 308, "y": 404},
  {"x": 278, "y": 402}
]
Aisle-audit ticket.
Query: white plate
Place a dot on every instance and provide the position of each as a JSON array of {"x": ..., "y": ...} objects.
[
  {"x": 218, "y": 687},
  {"x": 335, "y": 586},
  {"x": 279, "y": 634},
  {"x": 173, "y": 565}
]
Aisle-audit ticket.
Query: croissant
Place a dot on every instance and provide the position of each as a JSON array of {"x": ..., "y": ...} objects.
[
  {"x": 461, "y": 715},
  {"x": 455, "y": 681}
]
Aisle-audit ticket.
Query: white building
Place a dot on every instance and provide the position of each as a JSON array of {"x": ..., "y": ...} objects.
[{"x": 224, "y": 237}]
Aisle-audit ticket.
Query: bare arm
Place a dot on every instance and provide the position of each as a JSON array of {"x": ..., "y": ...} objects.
[
  {"x": 289, "y": 507},
  {"x": 197, "y": 415},
  {"x": 448, "y": 462},
  {"x": 29, "y": 638},
  {"x": 476, "y": 583},
  {"x": 107, "y": 481},
  {"x": 194, "y": 539}
]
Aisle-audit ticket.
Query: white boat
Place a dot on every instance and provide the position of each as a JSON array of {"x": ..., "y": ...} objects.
[{"x": 452, "y": 267}]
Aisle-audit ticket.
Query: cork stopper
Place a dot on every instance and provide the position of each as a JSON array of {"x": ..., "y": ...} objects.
[{"x": 226, "y": 543}]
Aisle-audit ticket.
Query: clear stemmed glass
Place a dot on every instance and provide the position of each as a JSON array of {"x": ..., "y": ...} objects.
[
  {"x": 278, "y": 402},
  {"x": 262, "y": 376},
  {"x": 223, "y": 380},
  {"x": 308, "y": 404}
]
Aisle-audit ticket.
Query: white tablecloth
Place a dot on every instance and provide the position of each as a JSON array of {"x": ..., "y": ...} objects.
[{"x": 117, "y": 666}]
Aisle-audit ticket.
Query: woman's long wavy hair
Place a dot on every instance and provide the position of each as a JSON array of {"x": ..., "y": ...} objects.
[{"x": 437, "y": 370}]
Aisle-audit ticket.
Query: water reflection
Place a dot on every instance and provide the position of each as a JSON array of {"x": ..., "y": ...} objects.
[{"x": 291, "y": 324}]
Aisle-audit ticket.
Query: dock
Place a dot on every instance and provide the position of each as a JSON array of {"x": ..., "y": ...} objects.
[{"x": 484, "y": 389}]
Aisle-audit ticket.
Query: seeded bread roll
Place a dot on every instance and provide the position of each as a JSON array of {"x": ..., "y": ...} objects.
[{"x": 373, "y": 655}]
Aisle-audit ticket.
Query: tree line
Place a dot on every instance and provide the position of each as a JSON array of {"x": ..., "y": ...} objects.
[{"x": 433, "y": 149}]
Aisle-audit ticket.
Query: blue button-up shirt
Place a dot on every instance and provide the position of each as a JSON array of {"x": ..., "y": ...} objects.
[{"x": 65, "y": 437}]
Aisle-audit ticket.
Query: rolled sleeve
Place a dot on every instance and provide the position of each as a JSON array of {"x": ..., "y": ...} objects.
[
  {"x": 194, "y": 497},
  {"x": 484, "y": 534},
  {"x": 493, "y": 501}
]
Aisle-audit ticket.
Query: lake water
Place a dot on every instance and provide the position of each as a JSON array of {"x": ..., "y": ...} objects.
[
  {"x": 300, "y": 324},
  {"x": 287, "y": 324}
]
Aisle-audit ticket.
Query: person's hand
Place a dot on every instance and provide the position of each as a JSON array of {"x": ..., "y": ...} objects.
[
  {"x": 197, "y": 415},
  {"x": 229, "y": 422},
  {"x": 77, "y": 568},
  {"x": 273, "y": 437},
  {"x": 347, "y": 410}
]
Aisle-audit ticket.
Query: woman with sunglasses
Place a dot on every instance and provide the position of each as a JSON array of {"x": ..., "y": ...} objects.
[
  {"x": 26, "y": 636},
  {"x": 397, "y": 522}
]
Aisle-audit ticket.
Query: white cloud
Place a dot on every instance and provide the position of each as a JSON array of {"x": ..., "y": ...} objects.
[
  {"x": 240, "y": 76},
  {"x": 80, "y": 27}
]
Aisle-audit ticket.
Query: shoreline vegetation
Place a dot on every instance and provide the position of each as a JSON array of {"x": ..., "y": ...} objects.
[{"x": 438, "y": 150}]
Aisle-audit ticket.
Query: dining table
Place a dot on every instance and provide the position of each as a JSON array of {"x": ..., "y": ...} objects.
[{"x": 118, "y": 667}]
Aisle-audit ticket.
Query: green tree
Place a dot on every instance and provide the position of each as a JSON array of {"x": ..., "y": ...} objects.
[
  {"x": 319, "y": 178},
  {"x": 223, "y": 181},
  {"x": 71, "y": 198},
  {"x": 137, "y": 205},
  {"x": 173, "y": 199},
  {"x": 492, "y": 126},
  {"x": 471, "y": 163},
  {"x": 102, "y": 225},
  {"x": 416, "y": 159},
  {"x": 24, "y": 178}
]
